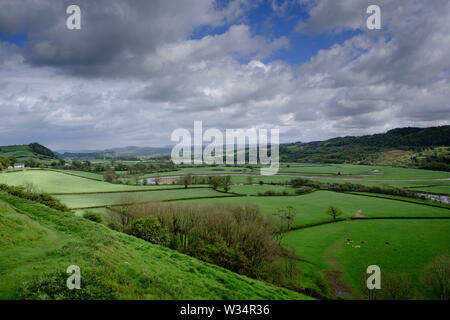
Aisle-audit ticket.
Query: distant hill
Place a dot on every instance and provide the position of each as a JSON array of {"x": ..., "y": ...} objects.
[
  {"x": 420, "y": 147},
  {"x": 122, "y": 153},
  {"x": 33, "y": 151}
]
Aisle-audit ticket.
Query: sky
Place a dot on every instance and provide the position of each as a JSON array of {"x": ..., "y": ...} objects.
[{"x": 139, "y": 69}]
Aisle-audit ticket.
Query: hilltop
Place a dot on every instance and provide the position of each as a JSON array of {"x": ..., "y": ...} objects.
[
  {"x": 425, "y": 148},
  {"x": 33, "y": 152}
]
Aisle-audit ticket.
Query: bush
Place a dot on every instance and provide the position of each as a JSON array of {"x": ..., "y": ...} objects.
[
  {"x": 92, "y": 216},
  {"x": 303, "y": 190},
  {"x": 53, "y": 287},
  {"x": 149, "y": 229},
  {"x": 437, "y": 277}
]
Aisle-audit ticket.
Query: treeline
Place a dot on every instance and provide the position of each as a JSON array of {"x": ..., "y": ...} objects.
[
  {"x": 29, "y": 191},
  {"x": 237, "y": 237}
]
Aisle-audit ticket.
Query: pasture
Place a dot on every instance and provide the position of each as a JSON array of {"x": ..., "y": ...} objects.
[
  {"x": 396, "y": 246},
  {"x": 77, "y": 201},
  {"x": 58, "y": 182},
  {"x": 311, "y": 207}
]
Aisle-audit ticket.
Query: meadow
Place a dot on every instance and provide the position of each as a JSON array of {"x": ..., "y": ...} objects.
[
  {"x": 56, "y": 182},
  {"x": 77, "y": 201},
  {"x": 396, "y": 246},
  {"x": 311, "y": 207}
]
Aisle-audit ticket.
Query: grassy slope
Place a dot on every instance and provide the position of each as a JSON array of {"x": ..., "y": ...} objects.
[
  {"x": 21, "y": 152},
  {"x": 36, "y": 241},
  {"x": 311, "y": 207},
  {"x": 413, "y": 244}
]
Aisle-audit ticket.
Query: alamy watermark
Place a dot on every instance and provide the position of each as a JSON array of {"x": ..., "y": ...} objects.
[
  {"x": 74, "y": 280},
  {"x": 374, "y": 280},
  {"x": 374, "y": 20},
  {"x": 237, "y": 144}
]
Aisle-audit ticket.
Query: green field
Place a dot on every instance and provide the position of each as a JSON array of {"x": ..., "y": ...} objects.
[
  {"x": 364, "y": 171},
  {"x": 412, "y": 245},
  {"x": 56, "y": 182},
  {"x": 37, "y": 245},
  {"x": 77, "y": 201},
  {"x": 311, "y": 207}
]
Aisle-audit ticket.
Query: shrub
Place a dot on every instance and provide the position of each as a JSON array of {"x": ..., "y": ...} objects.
[
  {"x": 149, "y": 229},
  {"x": 92, "y": 216},
  {"x": 53, "y": 287},
  {"x": 237, "y": 237},
  {"x": 437, "y": 277},
  {"x": 303, "y": 190}
]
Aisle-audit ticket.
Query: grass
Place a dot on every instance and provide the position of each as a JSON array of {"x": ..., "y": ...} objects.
[
  {"x": 412, "y": 245},
  {"x": 311, "y": 207},
  {"x": 38, "y": 243},
  {"x": 103, "y": 199},
  {"x": 56, "y": 182}
]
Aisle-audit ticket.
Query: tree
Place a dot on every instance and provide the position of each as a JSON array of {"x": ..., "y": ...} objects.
[
  {"x": 287, "y": 215},
  {"x": 226, "y": 183},
  {"x": 186, "y": 180},
  {"x": 110, "y": 175},
  {"x": 250, "y": 180},
  {"x": 214, "y": 181},
  {"x": 437, "y": 277},
  {"x": 334, "y": 212}
]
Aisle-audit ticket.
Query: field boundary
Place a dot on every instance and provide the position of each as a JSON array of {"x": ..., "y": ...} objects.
[
  {"x": 314, "y": 224},
  {"x": 443, "y": 206},
  {"x": 144, "y": 202},
  {"x": 75, "y": 175},
  {"x": 123, "y": 191}
]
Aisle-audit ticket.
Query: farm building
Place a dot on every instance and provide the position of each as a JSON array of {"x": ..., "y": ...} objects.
[{"x": 19, "y": 165}]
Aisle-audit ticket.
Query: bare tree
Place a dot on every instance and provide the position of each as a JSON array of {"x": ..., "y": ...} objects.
[{"x": 437, "y": 277}]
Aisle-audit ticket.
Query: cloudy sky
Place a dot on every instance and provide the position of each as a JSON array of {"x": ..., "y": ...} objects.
[{"x": 139, "y": 69}]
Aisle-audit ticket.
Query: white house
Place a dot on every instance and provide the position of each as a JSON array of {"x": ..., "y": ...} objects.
[{"x": 19, "y": 165}]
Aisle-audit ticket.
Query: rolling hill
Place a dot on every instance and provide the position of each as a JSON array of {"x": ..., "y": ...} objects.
[
  {"x": 28, "y": 152},
  {"x": 425, "y": 148}
]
